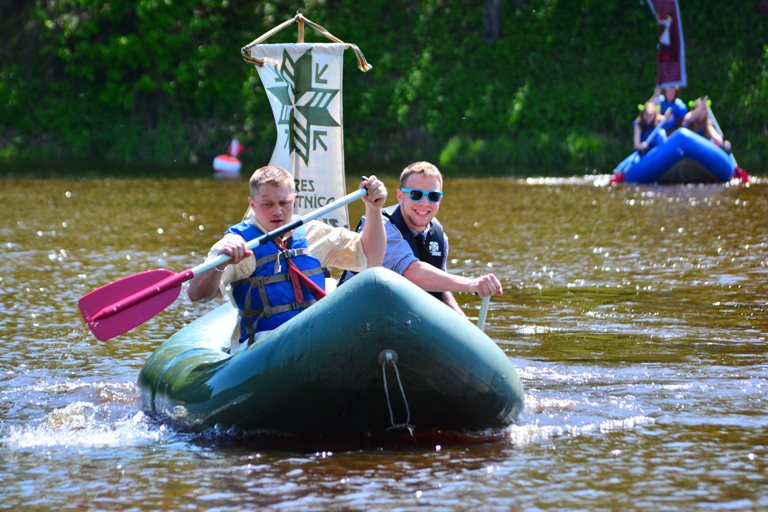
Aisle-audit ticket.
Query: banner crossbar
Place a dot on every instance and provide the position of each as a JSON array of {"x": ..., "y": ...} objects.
[{"x": 362, "y": 64}]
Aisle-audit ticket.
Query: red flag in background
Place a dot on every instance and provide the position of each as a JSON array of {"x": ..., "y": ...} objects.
[
  {"x": 670, "y": 55},
  {"x": 235, "y": 148}
]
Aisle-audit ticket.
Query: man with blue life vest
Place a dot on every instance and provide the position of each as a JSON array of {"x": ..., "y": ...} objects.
[
  {"x": 278, "y": 279},
  {"x": 417, "y": 247}
]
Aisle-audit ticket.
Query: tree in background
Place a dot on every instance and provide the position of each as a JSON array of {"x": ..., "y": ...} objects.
[{"x": 159, "y": 80}]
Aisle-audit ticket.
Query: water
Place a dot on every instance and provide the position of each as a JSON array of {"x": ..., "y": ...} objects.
[{"x": 635, "y": 316}]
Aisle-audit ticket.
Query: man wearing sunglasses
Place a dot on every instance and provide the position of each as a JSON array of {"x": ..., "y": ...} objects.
[{"x": 417, "y": 247}]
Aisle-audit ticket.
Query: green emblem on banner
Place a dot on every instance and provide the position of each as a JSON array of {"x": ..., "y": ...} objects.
[{"x": 311, "y": 103}]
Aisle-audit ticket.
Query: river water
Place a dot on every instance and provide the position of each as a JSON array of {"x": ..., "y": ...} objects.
[{"x": 635, "y": 315}]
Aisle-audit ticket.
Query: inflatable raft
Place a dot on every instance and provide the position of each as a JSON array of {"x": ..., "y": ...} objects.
[
  {"x": 377, "y": 355},
  {"x": 685, "y": 157}
]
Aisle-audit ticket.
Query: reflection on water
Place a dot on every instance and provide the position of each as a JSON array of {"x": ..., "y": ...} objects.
[{"x": 635, "y": 316}]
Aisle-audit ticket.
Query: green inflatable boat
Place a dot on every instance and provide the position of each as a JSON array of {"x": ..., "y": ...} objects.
[{"x": 377, "y": 355}]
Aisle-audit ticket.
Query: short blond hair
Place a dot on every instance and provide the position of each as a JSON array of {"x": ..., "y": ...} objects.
[
  {"x": 426, "y": 169},
  {"x": 271, "y": 175}
]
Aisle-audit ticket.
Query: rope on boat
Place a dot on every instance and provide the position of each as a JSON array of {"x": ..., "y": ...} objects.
[
  {"x": 390, "y": 356},
  {"x": 362, "y": 64}
]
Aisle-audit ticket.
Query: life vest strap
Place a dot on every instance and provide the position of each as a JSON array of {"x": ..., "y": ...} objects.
[
  {"x": 293, "y": 306},
  {"x": 290, "y": 253},
  {"x": 297, "y": 275},
  {"x": 260, "y": 282},
  {"x": 248, "y": 314}
]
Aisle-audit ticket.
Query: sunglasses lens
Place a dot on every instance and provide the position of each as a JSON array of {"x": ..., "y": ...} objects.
[{"x": 415, "y": 194}]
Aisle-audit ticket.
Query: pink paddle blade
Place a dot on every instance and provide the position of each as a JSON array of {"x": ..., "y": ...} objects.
[{"x": 118, "y": 307}]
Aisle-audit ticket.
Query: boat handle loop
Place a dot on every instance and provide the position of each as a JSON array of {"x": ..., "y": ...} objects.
[{"x": 390, "y": 357}]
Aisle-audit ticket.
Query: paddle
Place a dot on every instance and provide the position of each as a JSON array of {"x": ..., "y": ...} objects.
[
  {"x": 118, "y": 307},
  {"x": 483, "y": 313},
  {"x": 654, "y": 133},
  {"x": 741, "y": 172}
]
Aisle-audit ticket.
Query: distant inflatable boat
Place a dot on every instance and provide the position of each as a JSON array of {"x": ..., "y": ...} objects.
[{"x": 685, "y": 157}]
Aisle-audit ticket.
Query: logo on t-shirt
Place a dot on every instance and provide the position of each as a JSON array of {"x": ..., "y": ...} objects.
[{"x": 434, "y": 248}]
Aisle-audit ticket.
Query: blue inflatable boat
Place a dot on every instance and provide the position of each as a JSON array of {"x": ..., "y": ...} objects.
[{"x": 685, "y": 157}]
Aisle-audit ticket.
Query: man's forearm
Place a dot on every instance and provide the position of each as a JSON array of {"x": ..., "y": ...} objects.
[
  {"x": 373, "y": 237},
  {"x": 433, "y": 279},
  {"x": 204, "y": 287}
]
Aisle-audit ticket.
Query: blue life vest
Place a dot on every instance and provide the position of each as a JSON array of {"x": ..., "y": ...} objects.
[
  {"x": 266, "y": 299},
  {"x": 679, "y": 109},
  {"x": 646, "y": 132}
]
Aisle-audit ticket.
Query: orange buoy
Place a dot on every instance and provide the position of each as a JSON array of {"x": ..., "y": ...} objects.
[{"x": 226, "y": 163}]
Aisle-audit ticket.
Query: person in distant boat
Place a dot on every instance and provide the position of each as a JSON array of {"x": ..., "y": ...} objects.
[
  {"x": 642, "y": 129},
  {"x": 277, "y": 280},
  {"x": 644, "y": 126},
  {"x": 417, "y": 247},
  {"x": 698, "y": 121},
  {"x": 667, "y": 99}
]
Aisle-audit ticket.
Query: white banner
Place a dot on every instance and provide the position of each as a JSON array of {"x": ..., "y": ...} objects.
[{"x": 303, "y": 84}]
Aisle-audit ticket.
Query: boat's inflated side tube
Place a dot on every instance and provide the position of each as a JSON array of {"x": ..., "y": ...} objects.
[{"x": 685, "y": 157}]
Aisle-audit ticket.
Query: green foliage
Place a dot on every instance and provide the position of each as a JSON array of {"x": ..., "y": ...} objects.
[
  {"x": 158, "y": 80},
  {"x": 531, "y": 151},
  {"x": 755, "y": 103}
]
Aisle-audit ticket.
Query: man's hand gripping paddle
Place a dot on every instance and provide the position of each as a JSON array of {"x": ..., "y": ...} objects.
[{"x": 118, "y": 307}]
